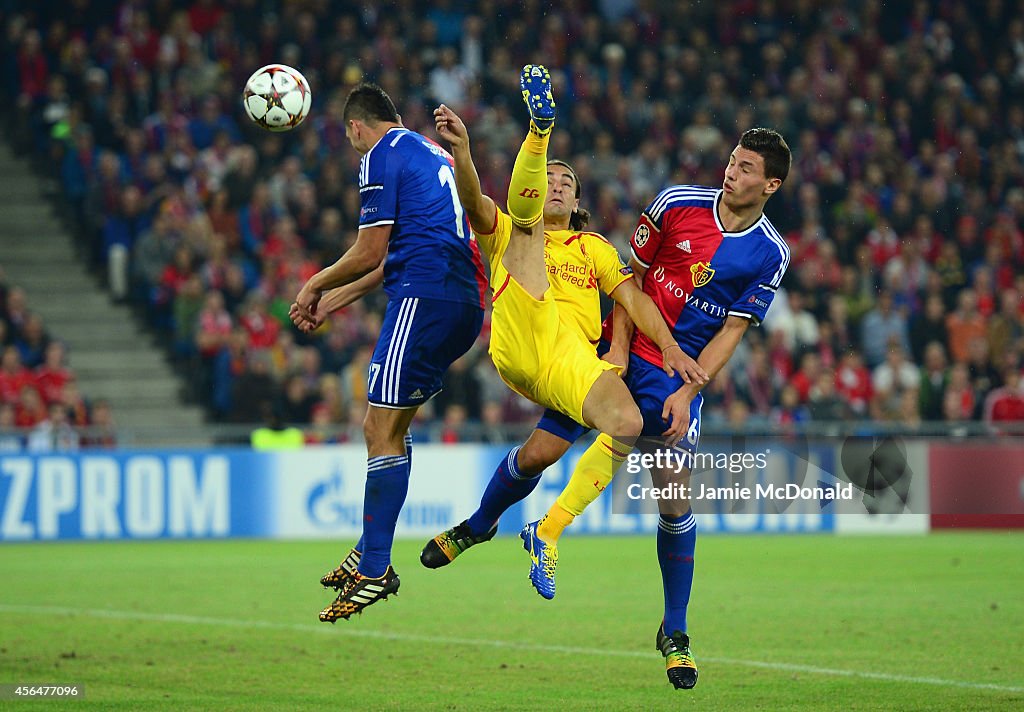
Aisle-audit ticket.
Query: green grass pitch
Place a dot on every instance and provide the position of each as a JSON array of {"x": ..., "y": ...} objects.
[{"x": 777, "y": 622}]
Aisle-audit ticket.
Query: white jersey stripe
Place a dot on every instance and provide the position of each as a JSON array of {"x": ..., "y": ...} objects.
[
  {"x": 774, "y": 236},
  {"x": 639, "y": 260},
  {"x": 398, "y": 137},
  {"x": 378, "y": 223},
  {"x": 678, "y": 193}
]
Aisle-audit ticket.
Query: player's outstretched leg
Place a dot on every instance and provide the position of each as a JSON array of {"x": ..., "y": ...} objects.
[
  {"x": 443, "y": 548},
  {"x": 679, "y": 664},
  {"x": 535, "y": 81},
  {"x": 358, "y": 593},
  {"x": 543, "y": 560},
  {"x": 338, "y": 577}
]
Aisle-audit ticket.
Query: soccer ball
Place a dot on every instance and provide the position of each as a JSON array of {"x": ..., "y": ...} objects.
[{"x": 277, "y": 97}]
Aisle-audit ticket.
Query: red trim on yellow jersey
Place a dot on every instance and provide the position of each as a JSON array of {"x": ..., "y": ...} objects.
[{"x": 501, "y": 288}]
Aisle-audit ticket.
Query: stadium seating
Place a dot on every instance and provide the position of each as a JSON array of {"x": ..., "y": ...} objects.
[{"x": 904, "y": 209}]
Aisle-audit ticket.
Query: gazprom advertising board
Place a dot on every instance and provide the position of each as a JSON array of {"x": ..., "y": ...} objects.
[{"x": 317, "y": 492}]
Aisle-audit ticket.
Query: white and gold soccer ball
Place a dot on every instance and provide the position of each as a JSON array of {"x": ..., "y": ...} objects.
[{"x": 277, "y": 97}]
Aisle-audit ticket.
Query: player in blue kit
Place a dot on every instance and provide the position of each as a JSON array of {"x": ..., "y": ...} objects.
[
  {"x": 712, "y": 262},
  {"x": 411, "y": 215}
]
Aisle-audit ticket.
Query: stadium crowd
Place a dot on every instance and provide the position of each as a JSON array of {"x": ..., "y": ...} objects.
[
  {"x": 904, "y": 208},
  {"x": 41, "y": 406}
]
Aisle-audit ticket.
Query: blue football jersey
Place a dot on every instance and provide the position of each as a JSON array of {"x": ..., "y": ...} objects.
[
  {"x": 697, "y": 273},
  {"x": 407, "y": 181}
]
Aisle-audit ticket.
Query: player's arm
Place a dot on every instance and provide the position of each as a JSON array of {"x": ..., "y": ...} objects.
[
  {"x": 622, "y": 323},
  {"x": 480, "y": 209},
  {"x": 364, "y": 257},
  {"x": 336, "y": 298},
  {"x": 645, "y": 314},
  {"x": 714, "y": 356},
  {"x": 750, "y": 307}
]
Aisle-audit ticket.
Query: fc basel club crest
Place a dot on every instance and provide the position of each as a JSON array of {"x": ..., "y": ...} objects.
[{"x": 702, "y": 273}]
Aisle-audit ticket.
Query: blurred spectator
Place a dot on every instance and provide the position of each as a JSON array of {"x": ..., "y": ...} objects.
[
  {"x": 755, "y": 382},
  {"x": 252, "y": 389},
  {"x": 102, "y": 431},
  {"x": 32, "y": 340},
  {"x": 10, "y": 439},
  {"x": 297, "y": 404},
  {"x": 30, "y": 409},
  {"x": 881, "y": 326},
  {"x": 1006, "y": 327},
  {"x": 959, "y": 400},
  {"x": 890, "y": 380},
  {"x": 807, "y": 376},
  {"x": 13, "y": 375},
  {"x": 461, "y": 387},
  {"x": 964, "y": 325},
  {"x": 984, "y": 376},
  {"x": 933, "y": 381},
  {"x": 1006, "y": 403},
  {"x": 797, "y": 323},
  {"x": 274, "y": 434},
  {"x": 824, "y": 402},
  {"x": 53, "y": 374},
  {"x": 928, "y": 326},
  {"x": 853, "y": 382},
  {"x": 452, "y": 424},
  {"x": 789, "y": 411},
  {"x": 53, "y": 433},
  {"x": 78, "y": 409}
]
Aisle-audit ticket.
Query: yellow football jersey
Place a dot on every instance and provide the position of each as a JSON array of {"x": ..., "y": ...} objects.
[
  {"x": 544, "y": 349},
  {"x": 580, "y": 266}
]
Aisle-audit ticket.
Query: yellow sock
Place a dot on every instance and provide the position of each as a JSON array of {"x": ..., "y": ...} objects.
[
  {"x": 593, "y": 472},
  {"x": 528, "y": 188},
  {"x": 554, "y": 523}
]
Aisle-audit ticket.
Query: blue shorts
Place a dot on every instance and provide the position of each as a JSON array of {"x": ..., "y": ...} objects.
[
  {"x": 419, "y": 339},
  {"x": 650, "y": 387}
]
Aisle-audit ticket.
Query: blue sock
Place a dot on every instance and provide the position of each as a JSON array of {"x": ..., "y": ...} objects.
[
  {"x": 506, "y": 488},
  {"x": 408, "y": 453},
  {"x": 387, "y": 482},
  {"x": 677, "y": 539}
]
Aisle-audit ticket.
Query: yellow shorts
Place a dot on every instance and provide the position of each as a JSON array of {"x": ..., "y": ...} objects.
[{"x": 538, "y": 355}]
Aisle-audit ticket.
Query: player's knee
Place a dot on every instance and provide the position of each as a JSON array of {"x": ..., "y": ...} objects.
[
  {"x": 536, "y": 456},
  {"x": 629, "y": 423},
  {"x": 673, "y": 507},
  {"x": 381, "y": 438}
]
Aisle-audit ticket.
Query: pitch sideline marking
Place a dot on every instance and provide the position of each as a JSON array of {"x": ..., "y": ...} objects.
[{"x": 445, "y": 640}]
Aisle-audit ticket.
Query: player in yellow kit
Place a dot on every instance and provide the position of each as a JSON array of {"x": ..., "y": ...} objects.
[{"x": 546, "y": 273}]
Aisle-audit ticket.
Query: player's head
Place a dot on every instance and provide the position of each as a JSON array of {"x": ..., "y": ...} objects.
[
  {"x": 757, "y": 167},
  {"x": 563, "y": 201},
  {"x": 367, "y": 107}
]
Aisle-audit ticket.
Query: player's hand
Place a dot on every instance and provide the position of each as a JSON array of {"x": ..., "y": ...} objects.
[
  {"x": 676, "y": 412},
  {"x": 450, "y": 127},
  {"x": 306, "y": 303},
  {"x": 617, "y": 357},
  {"x": 675, "y": 361},
  {"x": 302, "y": 323}
]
